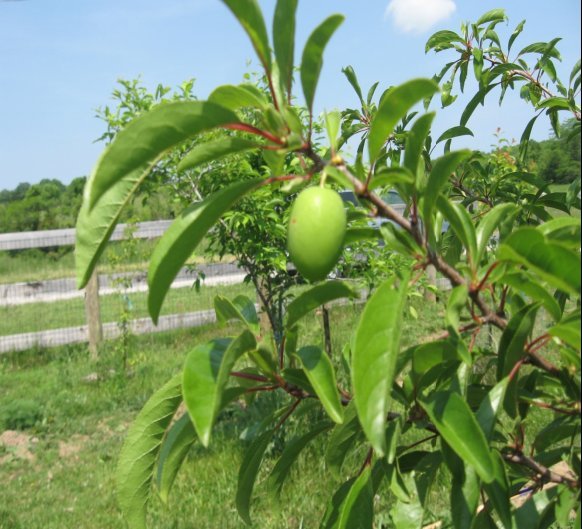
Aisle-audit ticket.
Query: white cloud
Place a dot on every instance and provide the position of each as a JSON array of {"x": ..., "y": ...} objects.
[{"x": 417, "y": 16}]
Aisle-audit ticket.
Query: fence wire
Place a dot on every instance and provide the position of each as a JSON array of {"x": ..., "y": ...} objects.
[{"x": 40, "y": 305}]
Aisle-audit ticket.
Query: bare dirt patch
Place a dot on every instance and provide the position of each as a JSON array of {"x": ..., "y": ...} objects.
[{"x": 18, "y": 445}]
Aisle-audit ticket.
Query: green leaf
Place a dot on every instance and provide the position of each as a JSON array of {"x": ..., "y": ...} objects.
[
  {"x": 393, "y": 107},
  {"x": 248, "y": 472},
  {"x": 524, "y": 141},
  {"x": 478, "y": 98},
  {"x": 543, "y": 48},
  {"x": 375, "y": 352},
  {"x": 235, "y": 97},
  {"x": 564, "y": 230},
  {"x": 348, "y": 71},
  {"x": 182, "y": 237},
  {"x": 321, "y": 375},
  {"x": 415, "y": 142},
  {"x": 206, "y": 372},
  {"x": 249, "y": 15},
  {"x": 518, "y": 29},
  {"x": 534, "y": 510},
  {"x": 462, "y": 225},
  {"x": 139, "y": 452},
  {"x": 455, "y": 305},
  {"x": 241, "y": 309},
  {"x": 490, "y": 407},
  {"x": 514, "y": 338},
  {"x": 438, "y": 178},
  {"x": 332, "y": 125},
  {"x": 557, "y": 265},
  {"x": 138, "y": 146},
  {"x": 465, "y": 492},
  {"x": 390, "y": 177},
  {"x": 456, "y": 423},
  {"x": 489, "y": 223},
  {"x": 214, "y": 150},
  {"x": 290, "y": 455},
  {"x": 94, "y": 228},
  {"x": 427, "y": 355},
  {"x": 495, "y": 15},
  {"x": 454, "y": 132},
  {"x": 442, "y": 40},
  {"x": 312, "y": 59},
  {"x": 332, "y": 512},
  {"x": 315, "y": 297},
  {"x": 342, "y": 438},
  {"x": 568, "y": 330},
  {"x": 175, "y": 448},
  {"x": 354, "y": 235},
  {"x": 526, "y": 284},
  {"x": 498, "y": 492},
  {"x": 400, "y": 240},
  {"x": 357, "y": 510},
  {"x": 284, "y": 40},
  {"x": 554, "y": 102}
]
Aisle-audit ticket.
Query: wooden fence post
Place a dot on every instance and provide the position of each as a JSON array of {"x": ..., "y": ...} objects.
[
  {"x": 429, "y": 295},
  {"x": 93, "y": 314}
]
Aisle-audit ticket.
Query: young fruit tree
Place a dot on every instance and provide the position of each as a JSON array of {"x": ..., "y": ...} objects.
[{"x": 452, "y": 404}]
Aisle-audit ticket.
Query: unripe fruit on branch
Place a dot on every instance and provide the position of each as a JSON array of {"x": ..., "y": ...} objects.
[{"x": 317, "y": 228}]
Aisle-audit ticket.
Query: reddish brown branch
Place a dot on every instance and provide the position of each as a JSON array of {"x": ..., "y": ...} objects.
[
  {"x": 245, "y": 127},
  {"x": 547, "y": 475}
]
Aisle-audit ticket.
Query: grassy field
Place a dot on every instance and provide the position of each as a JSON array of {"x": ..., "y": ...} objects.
[
  {"x": 41, "y": 265},
  {"x": 79, "y": 425},
  {"x": 33, "y": 317}
]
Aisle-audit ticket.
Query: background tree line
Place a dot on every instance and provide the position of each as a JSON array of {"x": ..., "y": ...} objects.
[{"x": 50, "y": 204}]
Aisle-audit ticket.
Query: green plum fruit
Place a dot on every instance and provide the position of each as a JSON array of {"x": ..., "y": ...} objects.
[{"x": 317, "y": 228}]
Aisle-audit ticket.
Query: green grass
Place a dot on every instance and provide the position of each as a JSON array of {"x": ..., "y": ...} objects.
[
  {"x": 42, "y": 265},
  {"x": 90, "y": 419},
  {"x": 33, "y": 317},
  {"x": 57, "y": 491}
]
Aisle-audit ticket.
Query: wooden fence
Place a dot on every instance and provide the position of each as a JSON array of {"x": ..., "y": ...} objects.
[
  {"x": 94, "y": 331},
  {"x": 14, "y": 295}
]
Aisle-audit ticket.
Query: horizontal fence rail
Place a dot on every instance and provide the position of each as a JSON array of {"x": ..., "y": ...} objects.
[{"x": 48, "y": 238}]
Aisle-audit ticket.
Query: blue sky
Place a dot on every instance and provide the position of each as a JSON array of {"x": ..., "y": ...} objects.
[{"x": 60, "y": 59}]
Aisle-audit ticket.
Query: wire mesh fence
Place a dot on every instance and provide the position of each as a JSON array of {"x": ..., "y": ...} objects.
[{"x": 40, "y": 304}]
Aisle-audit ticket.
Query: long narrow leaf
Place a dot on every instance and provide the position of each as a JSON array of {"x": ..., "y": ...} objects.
[
  {"x": 342, "y": 439},
  {"x": 462, "y": 225},
  {"x": 249, "y": 15},
  {"x": 182, "y": 237},
  {"x": 214, "y": 150},
  {"x": 393, "y": 107},
  {"x": 290, "y": 454},
  {"x": 206, "y": 373},
  {"x": 456, "y": 423},
  {"x": 135, "y": 467},
  {"x": 175, "y": 448},
  {"x": 248, "y": 474},
  {"x": 312, "y": 59},
  {"x": 137, "y": 147},
  {"x": 376, "y": 348},
  {"x": 556, "y": 264},
  {"x": 441, "y": 171},
  {"x": 234, "y": 97},
  {"x": 357, "y": 510},
  {"x": 489, "y": 224},
  {"x": 320, "y": 373},
  {"x": 315, "y": 297},
  {"x": 284, "y": 40},
  {"x": 415, "y": 142},
  {"x": 94, "y": 227}
]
